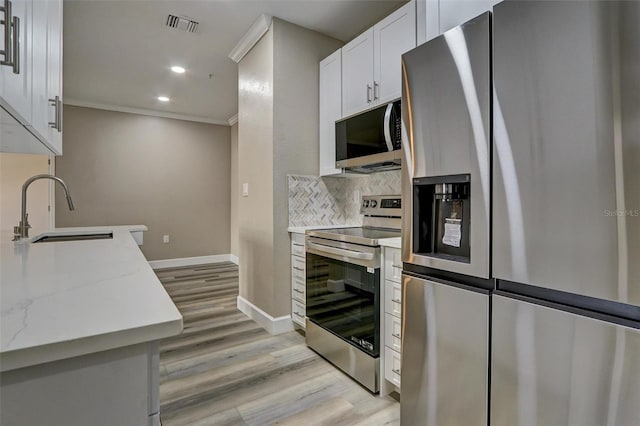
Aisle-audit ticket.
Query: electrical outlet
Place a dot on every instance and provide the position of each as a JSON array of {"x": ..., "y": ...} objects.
[{"x": 165, "y": 239}]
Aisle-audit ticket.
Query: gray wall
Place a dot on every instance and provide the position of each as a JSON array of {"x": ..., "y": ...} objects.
[
  {"x": 278, "y": 135},
  {"x": 297, "y": 53},
  {"x": 235, "y": 191},
  {"x": 171, "y": 175},
  {"x": 14, "y": 170},
  {"x": 255, "y": 167}
]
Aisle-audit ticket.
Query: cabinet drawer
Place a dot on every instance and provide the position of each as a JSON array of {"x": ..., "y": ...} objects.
[
  {"x": 393, "y": 298},
  {"x": 392, "y": 366},
  {"x": 298, "y": 313},
  {"x": 392, "y": 264},
  {"x": 297, "y": 244},
  {"x": 392, "y": 332},
  {"x": 298, "y": 291},
  {"x": 298, "y": 268},
  {"x": 298, "y": 279},
  {"x": 297, "y": 249}
]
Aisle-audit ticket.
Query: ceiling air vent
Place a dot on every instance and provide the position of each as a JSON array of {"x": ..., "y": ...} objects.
[{"x": 182, "y": 23}]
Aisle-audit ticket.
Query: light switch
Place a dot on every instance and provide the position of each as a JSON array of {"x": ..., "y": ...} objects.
[{"x": 245, "y": 189}]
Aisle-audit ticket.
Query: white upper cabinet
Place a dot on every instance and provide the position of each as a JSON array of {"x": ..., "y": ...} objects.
[
  {"x": 393, "y": 36},
  {"x": 31, "y": 91},
  {"x": 438, "y": 16},
  {"x": 15, "y": 80},
  {"x": 330, "y": 111},
  {"x": 371, "y": 70},
  {"x": 357, "y": 73},
  {"x": 455, "y": 12},
  {"x": 47, "y": 76}
]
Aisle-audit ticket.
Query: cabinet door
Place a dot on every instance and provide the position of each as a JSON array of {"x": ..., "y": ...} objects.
[
  {"x": 357, "y": 74},
  {"x": 46, "y": 72},
  {"x": 330, "y": 111},
  {"x": 15, "y": 89},
  {"x": 393, "y": 36},
  {"x": 392, "y": 264},
  {"x": 392, "y": 369},
  {"x": 455, "y": 12}
]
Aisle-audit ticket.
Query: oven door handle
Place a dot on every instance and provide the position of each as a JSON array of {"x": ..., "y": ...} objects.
[{"x": 340, "y": 252}]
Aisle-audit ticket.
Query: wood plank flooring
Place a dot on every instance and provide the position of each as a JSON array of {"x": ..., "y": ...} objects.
[{"x": 224, "y": 369}]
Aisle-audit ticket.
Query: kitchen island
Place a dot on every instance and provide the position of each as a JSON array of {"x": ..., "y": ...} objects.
[{"x": 79, "y": 326}]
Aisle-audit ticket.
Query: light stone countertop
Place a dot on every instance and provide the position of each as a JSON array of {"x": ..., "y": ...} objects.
[
  {"x": 391, "y": 242},
  {"x": 64, "y": 299},
  {"x": 303, "y": 229}
]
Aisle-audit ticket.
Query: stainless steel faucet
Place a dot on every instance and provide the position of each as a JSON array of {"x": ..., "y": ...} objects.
[{"x": 22, "y": 230}]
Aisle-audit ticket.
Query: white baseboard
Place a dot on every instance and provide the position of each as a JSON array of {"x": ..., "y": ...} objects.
[
  {"x": 188, "y": 261},
  {"x": 273, "y": 325},
  {"x": 233, "y": 258}
]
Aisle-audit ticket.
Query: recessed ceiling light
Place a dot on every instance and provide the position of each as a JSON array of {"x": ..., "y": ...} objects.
[
  {"x": 177, "y": 69},
  {"x": 163, "y": 99}
]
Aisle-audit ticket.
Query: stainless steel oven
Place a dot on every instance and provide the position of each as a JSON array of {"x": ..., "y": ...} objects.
[{"x": 343, "y": 290}]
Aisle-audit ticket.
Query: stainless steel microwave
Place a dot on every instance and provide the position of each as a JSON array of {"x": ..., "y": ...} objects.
[{"x": 370, "y": 141}]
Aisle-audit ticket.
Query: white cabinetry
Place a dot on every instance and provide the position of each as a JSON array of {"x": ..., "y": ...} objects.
[
  {"x": 371, "y": 62},
  {"x": 392, "y": 314},
  {"x": 15, "y": 80},
  {"x": 330, "y": 111},
  {"x": 438, "y": 16},
  {"x": 31, "y": 90},
  {"x": 298, "y": 280},
  {"x": 455, "y": 12},
  {"x": 47, "y": 73},
  {"x": 357, "y": 73}
]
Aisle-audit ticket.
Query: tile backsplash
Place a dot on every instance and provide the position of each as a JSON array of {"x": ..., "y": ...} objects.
[{"x": 330, "y": 200}]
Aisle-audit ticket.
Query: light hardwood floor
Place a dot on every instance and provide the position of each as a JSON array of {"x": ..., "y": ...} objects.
[{"x": 224, "y": 369}]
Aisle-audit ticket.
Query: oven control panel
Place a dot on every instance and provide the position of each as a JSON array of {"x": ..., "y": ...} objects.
[{"x": 381, "y": 205}]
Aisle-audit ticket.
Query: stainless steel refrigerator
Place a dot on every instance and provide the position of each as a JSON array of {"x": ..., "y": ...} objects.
[
  {"x": 550, "y": 334},
  {"x": 446, "y": 107},
  {"x": 566, "y": 213}
]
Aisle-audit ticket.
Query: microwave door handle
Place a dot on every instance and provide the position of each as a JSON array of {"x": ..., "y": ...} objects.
[
  {"x": 387, "y": 127},
  {"x": 340, "y": 252}
]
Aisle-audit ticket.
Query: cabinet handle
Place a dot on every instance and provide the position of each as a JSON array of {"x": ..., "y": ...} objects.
[
  {"x": 298, "y": 269},
  {"x": 397, "y": 301},
  {"x": 368, "y": 94},
  {"x": 375, "y": 90},
  {"x": 297, "y": 313},
  {"x": 6, "y": 51},
  {"x": 298, "y": 291},
  {"x": 396, "y": 266},
  {"x": 396, "y": 371},
  {"x": 397, "y": 336},
  {"x": 57, "y": 105},
  {"x": 16, "y": 45}
]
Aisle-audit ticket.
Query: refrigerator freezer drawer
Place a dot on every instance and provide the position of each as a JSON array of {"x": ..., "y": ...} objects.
[
  {"x": 551, "y": 367},
  {"x": 445, "y": 349}
]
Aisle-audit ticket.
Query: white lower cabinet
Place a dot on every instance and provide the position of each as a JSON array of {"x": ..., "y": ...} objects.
[
  {"x": 298, "y": 312},
  {"x": 392, "y": 314},
  {"x": 392, "y": 332},
  {"x": 392, "y": 366},
  {"x": 298, "y": 280}
]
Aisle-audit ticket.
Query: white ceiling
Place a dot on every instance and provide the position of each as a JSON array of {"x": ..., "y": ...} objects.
[{"x": 117, "y": 53}]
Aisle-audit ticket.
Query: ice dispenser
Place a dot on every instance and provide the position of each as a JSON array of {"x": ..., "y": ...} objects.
[{"x": 442, "y": 217}]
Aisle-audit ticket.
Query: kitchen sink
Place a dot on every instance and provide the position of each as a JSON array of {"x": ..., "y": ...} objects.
[{"x": 78, "y": 237}]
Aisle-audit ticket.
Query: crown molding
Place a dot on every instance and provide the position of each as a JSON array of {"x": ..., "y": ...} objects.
[
  {"x": 142, "y": 111},
  {"x": 251, "y": 37},
  {"x": 233, "y": 120}
]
